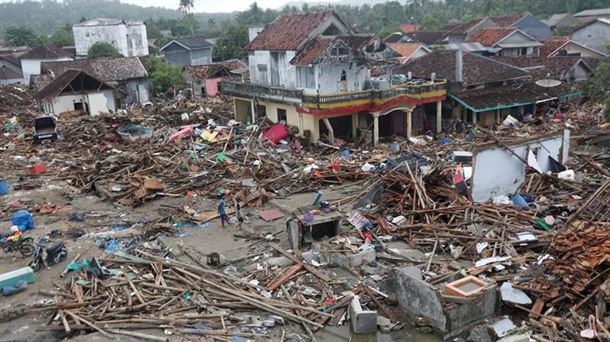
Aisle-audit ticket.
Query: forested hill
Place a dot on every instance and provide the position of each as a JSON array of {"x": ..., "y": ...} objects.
[{"x": 46, "y": 16}]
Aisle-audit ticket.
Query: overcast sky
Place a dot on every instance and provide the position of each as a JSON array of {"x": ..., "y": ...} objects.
[{"x": 210, "y": 5}]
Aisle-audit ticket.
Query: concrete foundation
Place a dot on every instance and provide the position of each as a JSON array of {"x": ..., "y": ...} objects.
[{"x": 419, "y": 299}]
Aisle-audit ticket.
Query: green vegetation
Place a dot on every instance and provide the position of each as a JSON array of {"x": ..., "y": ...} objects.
[
  {"x": 22, "y": 36},
  {"x": 597, "y": 87},
  {"x": 101, "y": 49},
  {"x": 162, "y": 75}
]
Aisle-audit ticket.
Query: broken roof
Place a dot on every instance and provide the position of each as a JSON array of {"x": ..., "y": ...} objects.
[
  {"x": 59, "y": 84},
  {"x": 190, "y": 43},
  {"x": 476, "y": 69},
  {"x": 105, "y": 69},
  {"x": 553, "y": 44},
  {"x": 202, "y": 72},
  {"x": 11, "y": 58},
  {"x": 46, "y": 51},
  {"x": 317, "y": 47},
  {"x": 289, "y": 31},
  {"x": 481, "y": 100}
]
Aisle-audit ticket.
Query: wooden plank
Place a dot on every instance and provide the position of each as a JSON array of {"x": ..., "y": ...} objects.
[
  {"x": 292, "y": 257},
  {"x": 277, "y": 282}
]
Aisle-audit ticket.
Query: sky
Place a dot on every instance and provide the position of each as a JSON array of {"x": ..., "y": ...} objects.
[{"x": 212, "y": 6}]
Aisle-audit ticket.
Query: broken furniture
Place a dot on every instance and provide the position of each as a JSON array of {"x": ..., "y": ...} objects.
[{"x": 45, "y": 129}]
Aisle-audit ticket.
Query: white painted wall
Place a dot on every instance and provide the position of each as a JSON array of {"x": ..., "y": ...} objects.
[
  {"x": 496, "y": 171},
  {"x": 329, "y": 77},
  {"x": 595, "y": 36},
  {"x": 31, "y": 67},
  {"x": 98, "y": 103},
  {"x": 129, "y": 40}
]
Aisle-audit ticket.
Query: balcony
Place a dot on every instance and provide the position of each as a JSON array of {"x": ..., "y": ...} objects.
[
  {"x": 414, "y": 93},
  {"x": 257, "y": 91}
]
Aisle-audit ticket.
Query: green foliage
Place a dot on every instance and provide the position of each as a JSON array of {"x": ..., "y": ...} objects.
[
  {"x": 232, "y": 42},
  {"x": 20, "y": 36},
  {"x": 63, "y": 36},
  {"x": 162, "y": 75},
  {"x": 101, "y": 49}
]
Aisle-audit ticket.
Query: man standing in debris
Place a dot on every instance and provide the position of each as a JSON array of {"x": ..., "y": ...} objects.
[
  {"x": 237, "y": 204},
  {"x": 222, "y": 210}
]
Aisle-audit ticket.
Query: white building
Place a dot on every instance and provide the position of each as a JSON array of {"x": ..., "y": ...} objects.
[
  {"x": 30, "y": 61},
  {"x": 76, "y": 90},
  {"x": 128, "y": 37},
  {"x": 595, "y": 34}
]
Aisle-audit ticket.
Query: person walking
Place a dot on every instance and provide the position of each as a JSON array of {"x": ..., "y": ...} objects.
[{"x": 222, "y": 210}]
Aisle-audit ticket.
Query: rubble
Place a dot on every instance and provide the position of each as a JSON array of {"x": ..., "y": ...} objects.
[{"x": 388, "y": 236}]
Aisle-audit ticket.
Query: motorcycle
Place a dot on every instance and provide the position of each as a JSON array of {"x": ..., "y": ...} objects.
[
  {"x": 47, "y": 256},
  {"x": 15, "y": 241}
]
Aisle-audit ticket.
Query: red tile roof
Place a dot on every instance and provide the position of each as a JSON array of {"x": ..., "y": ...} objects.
[
  {"x": 46, "y": 52},
  {"x": 405, "y": 49},
  {"x": 507, "y": 21},
  {"x": 491, "y": 36},
  {"x": 287, "y": 32},
  {"x": 552, "y": 44},
  {"x": 312, "y": 50}
]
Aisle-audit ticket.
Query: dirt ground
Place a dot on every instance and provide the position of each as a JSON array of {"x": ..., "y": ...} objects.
[{"x": 101, "y": 215}]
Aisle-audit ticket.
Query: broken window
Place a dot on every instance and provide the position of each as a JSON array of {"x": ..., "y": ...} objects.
[
  {"x": 261, "y": 111},
  {"x": 339, "y": 50}
]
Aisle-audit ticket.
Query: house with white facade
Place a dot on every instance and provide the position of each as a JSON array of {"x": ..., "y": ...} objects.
[
  {"x": 311, "y": 71},
  {"x": 31, "y": 60},
  {"x": 127, "y": 74},
  {"x": 128, "y": 37},
  {"x": 75, "y": 90}
]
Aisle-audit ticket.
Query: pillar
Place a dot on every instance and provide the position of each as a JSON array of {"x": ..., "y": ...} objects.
[
  {"x": 474, "y": 118},
  {"x": 331, "y": 132},
  {"x": 355, "y": 126},
  {"x": 375, "y": 128},
  {"x": 439, "y": 116},
  {"x": 409, "y": 122},
  {"x": 498, "y": 116},
  {"x": 253, "y": 111}
]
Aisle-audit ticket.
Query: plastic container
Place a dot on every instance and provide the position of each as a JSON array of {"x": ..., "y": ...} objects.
[{"x": 4, "y": 187}]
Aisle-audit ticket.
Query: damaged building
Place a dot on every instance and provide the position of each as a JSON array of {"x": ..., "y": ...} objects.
[{"x": 310, "y": 70}]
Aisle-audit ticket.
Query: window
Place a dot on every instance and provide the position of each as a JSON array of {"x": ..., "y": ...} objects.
[
  {"x": 337, "y": 51},
  {"x": 261, "y": 111},
  {"x": 281, "y": 115},
  {"x": 523, "y": 52}
]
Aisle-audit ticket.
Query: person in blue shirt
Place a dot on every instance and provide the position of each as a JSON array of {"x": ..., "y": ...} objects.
[{"x": 222, "y": 210}]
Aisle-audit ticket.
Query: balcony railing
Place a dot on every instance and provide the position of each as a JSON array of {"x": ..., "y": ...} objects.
[
  {"x": 249, "y": 90},
  {"x": 298, "y": 97}
]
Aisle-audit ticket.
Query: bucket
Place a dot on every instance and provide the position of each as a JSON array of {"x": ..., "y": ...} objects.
[{"x": 4, "y": 187}]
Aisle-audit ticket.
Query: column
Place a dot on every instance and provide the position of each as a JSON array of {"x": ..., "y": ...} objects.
[
  {"x": 253, "y": 111},
  {"x": 409, "y": 122},
  {"x": 439, "y": 116},
  {"x": 331, "y": 132},
  {"x": 474, "y": 118},
  {"x": 355, "y": 126},
  {"x": 498, "y": 116},
  {"x": 375, "y": 128}
]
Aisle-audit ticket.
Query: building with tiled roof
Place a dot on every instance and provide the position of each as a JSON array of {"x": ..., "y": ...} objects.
[
  {"x": 564, "y": 68},
  {"x": 31, "y": 60},
  {"x": 125, "y": 73},
  {"x": 312, "y": 71},
  {"x": 527, "y": 23},
  {"x": 188, "y": 51},
  {"x": 463, "y": 32},
  {"x": 561, "y": 20},
  {"x": 593, "y": 34},
  {"x": 409, "y": 51},
  {"x": 428, "y": 37},
  {"x": 507, "y": 41},
  {"x": 563, "y": 46}
]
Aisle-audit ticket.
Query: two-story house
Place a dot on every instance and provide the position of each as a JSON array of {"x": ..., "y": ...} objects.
[
  {"x": 128, "y": 37},
  {"x": 310, "y": 71}
]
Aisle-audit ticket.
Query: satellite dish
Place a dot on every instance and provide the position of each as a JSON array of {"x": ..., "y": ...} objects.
[{"x": 548, "y": 83}]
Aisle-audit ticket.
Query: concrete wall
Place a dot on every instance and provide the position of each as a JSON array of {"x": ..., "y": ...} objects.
[
  {"x": 31, "y": 67},
  {"x": 129, "y": 40},
  {"x": 497, "y": 171},
  {"x": 286, "y": 72},
  {"x": 201, "y": 56},
  {"x": 534, "y": 27},
  {"x": 294, "y": 118},
  {"x": 329, "y": 78},
  {"x": 575, "y": 49},
  {"x": 595, "y": 36},
  {"x": 97, "y": 102},
  {"x": 137, "y": 89}
]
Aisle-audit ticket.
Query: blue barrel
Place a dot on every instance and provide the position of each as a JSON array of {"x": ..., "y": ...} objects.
[{"x": 4, "y": 187}]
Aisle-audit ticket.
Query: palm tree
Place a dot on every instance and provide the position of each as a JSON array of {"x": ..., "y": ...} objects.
[{"x": 186, "y": 6}]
